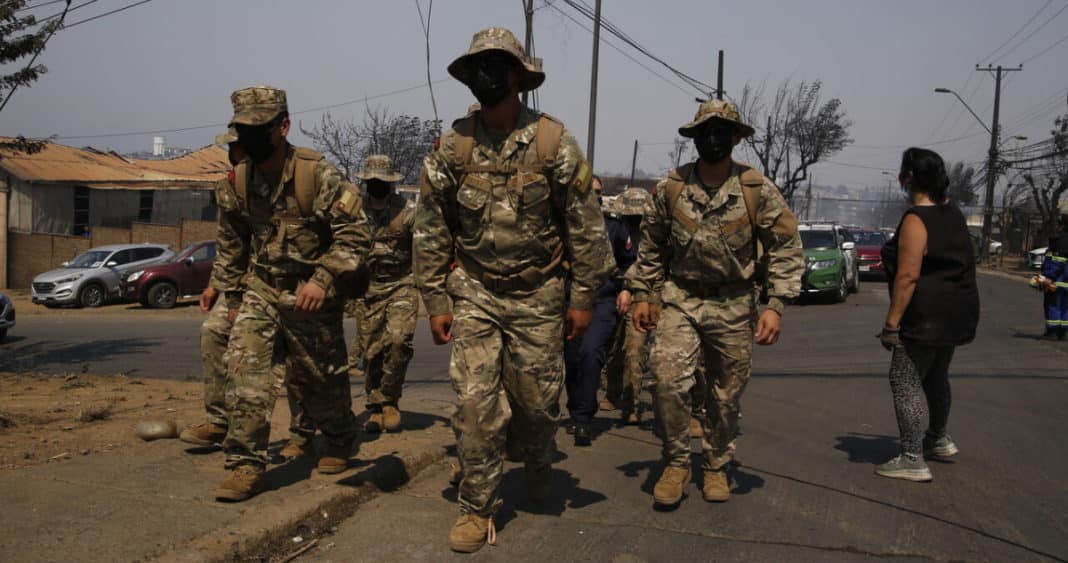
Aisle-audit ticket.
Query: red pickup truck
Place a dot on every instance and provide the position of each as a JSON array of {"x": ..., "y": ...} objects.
[{"x": 160, "y": 286}]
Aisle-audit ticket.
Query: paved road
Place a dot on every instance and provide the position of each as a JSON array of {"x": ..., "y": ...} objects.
[{"x": 817, "y": 416}]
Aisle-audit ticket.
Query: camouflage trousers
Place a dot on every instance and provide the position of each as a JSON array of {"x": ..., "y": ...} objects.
[
  {"x": 720, "y": 330},
  {"x": 214, "y": 338},
  {"x": 383, "y": 344},
  {"x": 626, "y": 366},
  {"x": 507, "y": 369},
  {"x": 268, "y": 333}
]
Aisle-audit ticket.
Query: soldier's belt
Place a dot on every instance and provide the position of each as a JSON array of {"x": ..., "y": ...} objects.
[
  {"x": 525, "y": 280},
  {"x": 710, "y": 291},
  {"x": 287, "y": 282}
]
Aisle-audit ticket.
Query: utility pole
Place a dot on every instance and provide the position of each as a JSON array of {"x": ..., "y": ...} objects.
[
  {"x": 992, "y": 161},
  {"x": 528, "y": 9},
  {"x": 719, "y": 77},
  {"x": 633, "y": 162},
  {"x": 592, "y": 130}
]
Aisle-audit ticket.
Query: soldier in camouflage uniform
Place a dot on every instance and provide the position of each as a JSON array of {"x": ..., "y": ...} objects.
[
  {"x": 214, "y": 337},
  {"x": 290, "y": 238},
  {"x": 386, "y": 314},
  {"x": 629, "y": 348},
  {"x": 699, "y": 253},
  {"x": 506, "y": 196}
]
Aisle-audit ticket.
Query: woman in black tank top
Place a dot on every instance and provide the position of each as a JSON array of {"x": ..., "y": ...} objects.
[{"x": 934, "y": 307}]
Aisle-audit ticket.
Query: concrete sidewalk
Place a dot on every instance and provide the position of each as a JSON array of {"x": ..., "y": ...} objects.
[{"x": 155, "y": 500}]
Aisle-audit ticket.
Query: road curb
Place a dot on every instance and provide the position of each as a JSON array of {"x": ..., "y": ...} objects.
[
  {"x": 1017, "y": 276},
  {"x": 308, "y": 516}
]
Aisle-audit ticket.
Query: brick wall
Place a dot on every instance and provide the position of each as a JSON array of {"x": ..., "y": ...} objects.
[
  {"x": 110, "y": 235},
  {"x": 28, "y": 255},
  {"x": 158, "y": 234},
  {"x": 196, "y": 231},
  {"x": 65, "y": 247}
]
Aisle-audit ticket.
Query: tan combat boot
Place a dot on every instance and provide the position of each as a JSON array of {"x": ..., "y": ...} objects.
[
  {"x": 668, "y": 490},
  {"x": 716, "y": 488},
  {"x": 471, "y": 532},
  {"x": 297, "y": 448},
  {"x": 335, "y": 460},
  {"x": 539, "y": 481},
  {"x": 373, "y": 424},
  {"x": 391, "y": 418},
  {"x": 243, "y": 483},
  {"x": 606, "y": 405},
  {"x": 203, "y": 434},
  {"x": 633, "y": 418},
  {"x": 456, "y": 476}
]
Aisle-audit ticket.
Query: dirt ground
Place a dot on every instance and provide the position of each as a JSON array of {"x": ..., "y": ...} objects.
[
  {"x": 24, "y": 307},
  {"x": 47, "y": 419}
]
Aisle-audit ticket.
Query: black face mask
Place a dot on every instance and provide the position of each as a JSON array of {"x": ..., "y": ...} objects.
[
  {"x": 256, "y": 141},
  {"x": 714, "y": 142},
  {"x": 489, "y": 82},
  {"x": 378, "y": 189}
]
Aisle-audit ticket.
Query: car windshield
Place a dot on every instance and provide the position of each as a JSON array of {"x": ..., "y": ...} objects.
[
  {"x": 817, "y": 239},
  {"x": 184, "y": 253},
  {"x": 869, "y": 238},
  {"x": 91, "y": 259}
]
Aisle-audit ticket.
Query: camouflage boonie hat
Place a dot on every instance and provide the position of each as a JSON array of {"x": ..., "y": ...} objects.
[
  {"x": 379, "y": 167},
  {"x": 230, "y": 136},
  {"x": 716, "y": 109},
  {"x": 634, "y": 201},
  {"x": 257, "y": 105},
  {"x": 498, "y": 39}
]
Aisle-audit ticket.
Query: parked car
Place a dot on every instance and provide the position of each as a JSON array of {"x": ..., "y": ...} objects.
[
  {"x": 869, "y": 253},
  {"x": 95, "y": 276},
  {"x": 827, "y": 267},
  {"x": 1036, "y": 257},
  {"x": 7, "y": 315},
  {"x": 160, "y": 286}
]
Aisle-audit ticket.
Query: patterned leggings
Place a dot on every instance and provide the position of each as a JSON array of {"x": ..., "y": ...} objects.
[{"x": 917, "y": 371}]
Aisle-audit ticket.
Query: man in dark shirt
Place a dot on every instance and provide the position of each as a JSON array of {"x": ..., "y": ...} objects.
[{"x": 585, "y": 356}]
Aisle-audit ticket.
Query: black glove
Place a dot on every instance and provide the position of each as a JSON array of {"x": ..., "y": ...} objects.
[{"x": 890, "y": 338}]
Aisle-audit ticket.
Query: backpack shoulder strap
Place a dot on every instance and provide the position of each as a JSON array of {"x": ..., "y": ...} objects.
[
  {"x": 463, "y": 145},
  {"x": 547, "y": 139},
  {"x": 674, "y": 184},
  {"x": 242, "y": 173},
  {"x": 752, "y": 181},
  {"x": 304, "y": 181}
]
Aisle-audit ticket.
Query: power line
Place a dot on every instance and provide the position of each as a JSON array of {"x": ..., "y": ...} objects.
[
  {"x": 1046, "y": 50},
  {"x": 72, "y": 8},
  {"x": 215, "y": 125},
  {"x": 621, "y": 51},
  {"x": 1018, "y": 31},
  {"x": 585, "y": 10},
  {"x": 115, "y": 11},
  {"x": 1036, "y": 30}
]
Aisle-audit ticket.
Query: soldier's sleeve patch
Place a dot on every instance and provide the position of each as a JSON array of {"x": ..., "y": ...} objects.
[
  {"x": 348, "y": 203},
  {"x": 583, "y": 176}
]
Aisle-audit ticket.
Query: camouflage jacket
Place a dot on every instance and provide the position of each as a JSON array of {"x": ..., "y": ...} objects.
[
  {"x": 390, "y": 260},
  {"x": 508, "y": 220},
  {"x": 269, "y": 233},
  {"x": 709, "y": 241}
]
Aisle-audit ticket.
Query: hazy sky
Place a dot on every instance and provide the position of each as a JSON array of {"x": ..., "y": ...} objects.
[{"x": 172, "y": 64}]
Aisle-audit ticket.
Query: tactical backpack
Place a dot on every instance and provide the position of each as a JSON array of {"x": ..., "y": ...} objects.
[
  {"x": 304, "y": 186},
  {"x": 547, "y": 141},
  {"x": 752, "y": 181}
]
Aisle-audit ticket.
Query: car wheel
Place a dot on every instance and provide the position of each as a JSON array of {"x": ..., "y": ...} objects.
[
  {"x": 3, "y": 334},
  {"x": 162, "y": 295},
  {"x": 843, "y": 291},
  {"x": 856, "y": 282},
  {"x": 91, "y": 295}
]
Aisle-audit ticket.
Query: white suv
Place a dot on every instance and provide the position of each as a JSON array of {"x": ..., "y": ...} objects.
[{"x": 94, "y": 276}]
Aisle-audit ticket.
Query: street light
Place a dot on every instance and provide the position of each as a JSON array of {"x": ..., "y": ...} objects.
[
  {"x": 948, "y": 91},
  {"x": 991, "y": 166}
]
